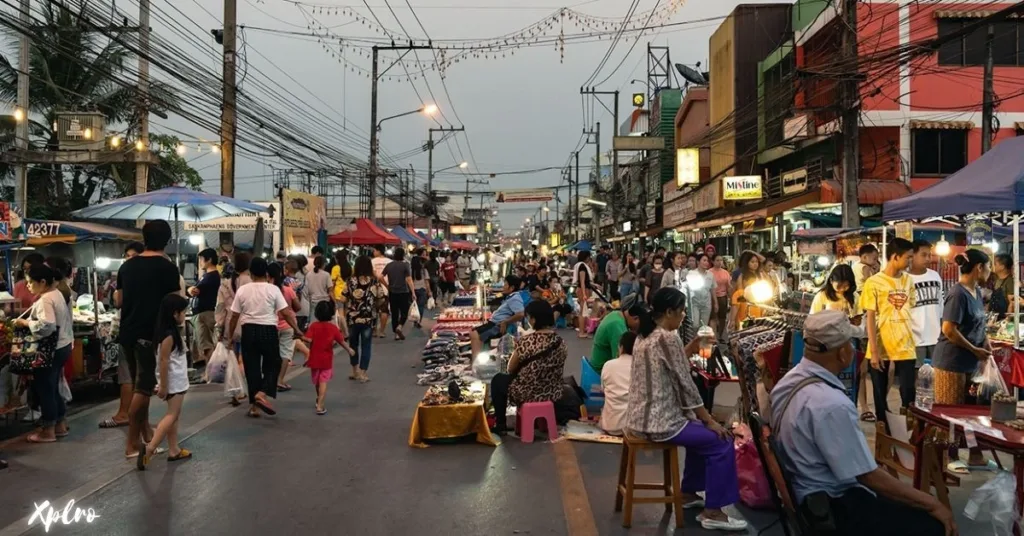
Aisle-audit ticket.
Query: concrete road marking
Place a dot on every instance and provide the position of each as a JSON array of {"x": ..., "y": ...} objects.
[{"x": 579, "y": 518}]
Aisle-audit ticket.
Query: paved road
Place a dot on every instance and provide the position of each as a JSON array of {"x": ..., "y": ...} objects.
[{"x": 350, "y": 472}]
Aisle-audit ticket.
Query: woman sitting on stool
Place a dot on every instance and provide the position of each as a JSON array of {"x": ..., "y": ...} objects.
[
  {"x": 665, "y": 406},
  {"x": 535, "y": 369}
]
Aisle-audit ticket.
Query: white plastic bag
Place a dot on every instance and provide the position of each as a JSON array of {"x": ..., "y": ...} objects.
[
  {"x": 65, "y": 390},
  {"x": 995, "y": 502},
  {"x": 414, "y": 312},
  {"x": 989, "y": 379},
  {"x": 234, "y": 380},
  {"x": 431, "y": 304},
  {"x": 217, "y": 367}
]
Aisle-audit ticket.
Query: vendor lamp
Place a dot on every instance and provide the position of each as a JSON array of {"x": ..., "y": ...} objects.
[
  {"x": 389, "y": 252},
  {"x": 942, "y": 247},
  {"x": 824, "y": 261},
  {"x": 483, "y": 358},
  {"x": 993, "y": 246},
  {"x": 102, "y": 263},
  {"x": 694, "y": 280},
  {"x": 759, "y": 292},
  {"x": 195, "y": 239},
  {"x": 481, "y": 258}
]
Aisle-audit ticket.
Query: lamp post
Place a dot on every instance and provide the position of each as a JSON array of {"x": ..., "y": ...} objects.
[{"x": 426, "y": 109}]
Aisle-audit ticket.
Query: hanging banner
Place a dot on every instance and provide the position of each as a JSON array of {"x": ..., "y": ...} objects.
[
  {"x": 687, "y": 166},
  {"x": 905, "y": 230},
  {"x": 305, "y": 215},
  {"x": 708, "y": 197},
  {"x": 530, "y": 195},
  {"x": 979, "y": 232},
  {"x": 241, "y": 222},
  {"x": 745, "y": 188}
]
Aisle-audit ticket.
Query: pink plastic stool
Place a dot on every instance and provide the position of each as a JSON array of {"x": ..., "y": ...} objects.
[{"x": 529, "y": 413}]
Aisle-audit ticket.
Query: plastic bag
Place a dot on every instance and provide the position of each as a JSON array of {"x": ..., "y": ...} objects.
[
  {"x": 65, "y": 390},
  {"x": 995, "y": 502},
  {"x": 234, "y": 380},
  {"x": 753, "y": 481},
  {"x": 217, "y": 367},
  {"x": 431, "y": 304},
  {"x": 989, "y": 379},
  {"x": 414, "y": 313}
]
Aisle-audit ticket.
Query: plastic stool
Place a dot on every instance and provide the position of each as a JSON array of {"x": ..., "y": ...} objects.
[{"x": 530, "y": 412}]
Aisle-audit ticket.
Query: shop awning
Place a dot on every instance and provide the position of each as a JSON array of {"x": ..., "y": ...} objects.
[
  {"x": 405, "y": 236},
  {"x": 464, "y": 245},
  {"x": 365, "y": 233},
  {"x": 868, "y": 192}
]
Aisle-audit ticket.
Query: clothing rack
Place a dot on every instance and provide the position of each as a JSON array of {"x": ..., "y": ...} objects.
[{"x": 791, "y": 319}]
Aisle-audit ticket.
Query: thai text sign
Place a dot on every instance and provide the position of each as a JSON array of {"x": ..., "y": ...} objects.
[{"x": 242, "y": 222}]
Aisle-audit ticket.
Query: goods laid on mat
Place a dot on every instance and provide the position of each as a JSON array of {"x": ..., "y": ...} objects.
[
  {"x": 463, "y": 314},
  {"x": 445, "y": 357},
  {"x": 454, "y": 392}
]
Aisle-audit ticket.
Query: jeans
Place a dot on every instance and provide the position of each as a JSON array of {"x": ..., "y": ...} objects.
[
  {"x": 701, "y": 312},
  {"x": 626, "y": 288},
  {"x": 421, "y": 301},
  {"x": 400, "y": 303},
  {"x": 262, "y": 359},
  {"x": 710, "y": 465},
  {"x": 46, "y": 388},
  {"x": 906, "y": 377},
  {"x": 360, "y": 338}
]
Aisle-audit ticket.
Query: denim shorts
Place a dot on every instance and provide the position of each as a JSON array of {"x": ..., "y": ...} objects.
[{"x": 488, "y": 331}]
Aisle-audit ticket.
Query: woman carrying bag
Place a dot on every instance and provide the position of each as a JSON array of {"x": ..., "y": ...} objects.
[{"x": 50, "y": 323}]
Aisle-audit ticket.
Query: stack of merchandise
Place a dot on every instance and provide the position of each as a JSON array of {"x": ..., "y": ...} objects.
[
  {"x": 445, "y": 357},
  {"x": 441, "y": 395},
  {"x": 462, "y": 314}
]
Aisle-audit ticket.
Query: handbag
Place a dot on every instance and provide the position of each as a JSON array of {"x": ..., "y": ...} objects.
[{"x": 30, "y": 352}]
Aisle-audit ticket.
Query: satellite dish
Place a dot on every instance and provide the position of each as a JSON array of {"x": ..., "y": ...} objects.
[{"x": 691, "y": 75}]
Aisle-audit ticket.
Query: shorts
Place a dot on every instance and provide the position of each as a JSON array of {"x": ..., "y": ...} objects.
[
  {"x": 141, "y": 358},
  {"x": 321, "y": 375},
  {"x": 448, "y": 287},
  {"x": 286, "y": 343},
  {"x": 302, "y": 321},
  {"x": 206, "y": 333},
  {"x": 923, "y": 353},
  {"x": 172, "y": 395},
  {"x": 124, "y": 376},
  {"x": 563, "y": 309},
  {"x": 488, "y": 331}
]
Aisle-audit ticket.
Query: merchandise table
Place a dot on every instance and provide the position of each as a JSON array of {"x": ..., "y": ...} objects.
[
  {"x": 450, "y": 421},
  {"x": 990, "y": 436}
]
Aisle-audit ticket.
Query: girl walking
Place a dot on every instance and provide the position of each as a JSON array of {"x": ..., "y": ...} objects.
[
  {"x": 322, "y": 335},
  {"x": 173, "y": 368},
  {"x": 361, "y": 295},
  {"x": 421, "y": 282}
]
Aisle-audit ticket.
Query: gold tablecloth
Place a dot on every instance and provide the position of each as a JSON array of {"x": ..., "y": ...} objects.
[{"x": 448, "y": 422}]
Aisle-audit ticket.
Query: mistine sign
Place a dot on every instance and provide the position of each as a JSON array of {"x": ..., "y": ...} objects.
[{"x": 746, "y": 188}]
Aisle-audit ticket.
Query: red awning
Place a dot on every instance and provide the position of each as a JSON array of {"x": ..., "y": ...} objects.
[
  {"x": 463, "y": 244},
  {"x": 366, "y": 233},
  {"x": 869, "y": 192}
]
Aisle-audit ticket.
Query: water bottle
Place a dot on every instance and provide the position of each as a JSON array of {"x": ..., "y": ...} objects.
[
  {"x": 506, "y": 344},
  {"x": 707, "y": 340},
  {"x": 925, "y": 388}
]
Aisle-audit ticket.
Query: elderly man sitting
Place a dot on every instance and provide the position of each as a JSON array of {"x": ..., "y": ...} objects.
[{"x": 824, "y": 451}]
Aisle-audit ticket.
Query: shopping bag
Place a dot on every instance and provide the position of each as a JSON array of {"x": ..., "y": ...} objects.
[
  {"x": 431, "y": 304},
  {"x": 989, "y": 379},
  {"x": 414, "y": 313},
  {"x": 234, "y": 380},
  {"x": 218, "y": 364},
  {"x": 995, "y": 502},
  {"x": 753, "y": 481},
  {"x": 65, "y": 390}
]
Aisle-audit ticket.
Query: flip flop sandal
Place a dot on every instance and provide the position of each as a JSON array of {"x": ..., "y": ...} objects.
[
  {"x": 183, "y": 454},
  {"x": 159, "y": 450},
  {"x": 111, "y": 423},
  {"x": 265, "y": 407},
  {"x": 253, "y": 413},
  {"x": 63, "y": 434},
  {"x": 283, "y": 388},
  {"x": 958, "y": 468},
  {"x": 321, "y": 411},
  {"x": 990, "y": 465},
  {"x": 867, "y": 416},
  {"x": 34, "y": 438}
]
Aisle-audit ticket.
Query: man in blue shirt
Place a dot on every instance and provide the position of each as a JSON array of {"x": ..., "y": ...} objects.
[
  {"x": 823, "y": 450},
  {"x": 509, "y": 313}
]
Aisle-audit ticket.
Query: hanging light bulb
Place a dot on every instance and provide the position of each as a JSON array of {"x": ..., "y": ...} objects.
[
  {"x": 942, "y": 247},
  {"x": 139, "y": 146},
  {"x": 993, "y": 246},
  {"x": 215, "y": 149},
  {"x": 115, "y": 142},
  {"x": 19, "y": 115},
  {"x": 180, "y": 149},
  {"x": 87, "y": 134}
]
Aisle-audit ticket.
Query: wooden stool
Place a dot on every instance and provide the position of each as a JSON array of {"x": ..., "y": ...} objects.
[{"x": 624, "y": 495}]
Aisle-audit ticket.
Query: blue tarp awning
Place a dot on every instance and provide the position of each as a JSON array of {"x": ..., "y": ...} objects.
[
  {"x": 992, "y": 183},
  {"x": 406, "y": 236},
  {"x": 433, "y": 242}
]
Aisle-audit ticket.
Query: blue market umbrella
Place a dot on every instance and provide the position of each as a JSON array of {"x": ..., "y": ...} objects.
[{"x": 173, "y": 204}]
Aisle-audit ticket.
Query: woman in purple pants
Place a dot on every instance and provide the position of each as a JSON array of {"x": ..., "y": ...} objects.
[{"x": 665, "y": 406}]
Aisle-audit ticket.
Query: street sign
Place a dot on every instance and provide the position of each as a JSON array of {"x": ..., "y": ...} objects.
[
  {"x": 638, "y": 143},
  {"x": 526, "y": 195}
]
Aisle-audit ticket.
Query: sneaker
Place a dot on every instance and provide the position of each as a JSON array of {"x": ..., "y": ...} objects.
[{"x": 732, "y": 524}]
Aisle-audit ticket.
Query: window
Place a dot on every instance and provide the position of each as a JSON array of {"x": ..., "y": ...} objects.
[
  {"x": 969, "y": 50},
  {"x": 938, "y": 152}
]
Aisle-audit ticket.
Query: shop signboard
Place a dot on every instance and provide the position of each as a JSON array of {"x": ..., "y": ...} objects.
[
  {"x": 674, "y": 205},
  {"x": 905, "y": 230},
  {"x": 743, "y": 188},
  {"x": 305, "y": 215},
  {"x": 463, "y": 229},
  {"x": 979, "y": 232},
  {"x": 687, "y": 166},
  {"x": 6, "y": 230},
  {"x": 526, "y": 195},
  {"x": 708, "y": 197},
  {"x": 241, "y": 222},
  {"x": 794, "y": 181}
]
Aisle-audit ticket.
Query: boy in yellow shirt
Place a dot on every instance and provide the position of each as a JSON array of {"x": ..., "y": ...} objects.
[{"x": 887, "y": 299}]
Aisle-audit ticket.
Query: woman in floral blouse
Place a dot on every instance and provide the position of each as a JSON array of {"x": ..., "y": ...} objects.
[
  {"x": 361, "y": 294},
  {"x": 665, "y": 406}
]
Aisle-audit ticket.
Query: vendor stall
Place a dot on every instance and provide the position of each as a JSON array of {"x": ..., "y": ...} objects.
[
  {"x": 442, "y": 416},
  {"x": 407, "y": 237},
  {"x": 363, "y": 233}
]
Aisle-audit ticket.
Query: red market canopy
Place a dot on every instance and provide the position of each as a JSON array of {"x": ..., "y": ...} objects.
[
  {"x": 463, "y": 244},
  {"x": 365, "y": 233}
]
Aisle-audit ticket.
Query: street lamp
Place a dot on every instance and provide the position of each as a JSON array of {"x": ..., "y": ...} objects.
[
  {"x": 596, "y": 202},
  {"x": 427, "y": 109},
  {"x": 461, "y": 165}
]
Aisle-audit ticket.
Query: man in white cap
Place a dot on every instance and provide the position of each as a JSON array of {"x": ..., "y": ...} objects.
[{"x": 824, "y": 451}]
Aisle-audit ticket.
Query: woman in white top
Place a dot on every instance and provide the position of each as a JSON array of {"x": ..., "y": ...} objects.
[
  {"x": 582, "y": 279},
  {"x": 319, "y": 286},
  {"x": 226, "y": 293},
  {"x": 173, "y": 374},
  {"x": 255, "y": 308},
  {"x": 49, "y": 315}
]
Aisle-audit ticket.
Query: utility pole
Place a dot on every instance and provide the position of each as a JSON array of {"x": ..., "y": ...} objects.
[
  {"x": 577, "y": 156},
  {"x": 142, "y": 169},
  {"x": 987, "y": 107},
  {"x": 21, "y": 129},
  {"x": 430, "y": 171},
  {"x": 615, "y": 127},
  {"x": 375, "y": 75},
  {"x": 228, "y": 115},
  {"x": 851, "y": 119}
]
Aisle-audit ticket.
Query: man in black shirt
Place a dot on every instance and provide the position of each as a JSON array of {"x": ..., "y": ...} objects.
[
  {"x": 205, "y": 294},
  {"x": 143, "y": 282}
]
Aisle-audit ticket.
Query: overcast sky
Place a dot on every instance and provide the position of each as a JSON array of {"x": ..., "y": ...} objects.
[{"x": 520, "y": 112}]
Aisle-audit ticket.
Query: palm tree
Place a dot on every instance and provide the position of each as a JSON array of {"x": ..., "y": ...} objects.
[{"x": 73, "y": 68}]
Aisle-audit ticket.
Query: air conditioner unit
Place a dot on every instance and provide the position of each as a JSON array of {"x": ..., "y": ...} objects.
[
  {"x": 798, "y": 127},
  {"x": 81, "y": 131}
]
